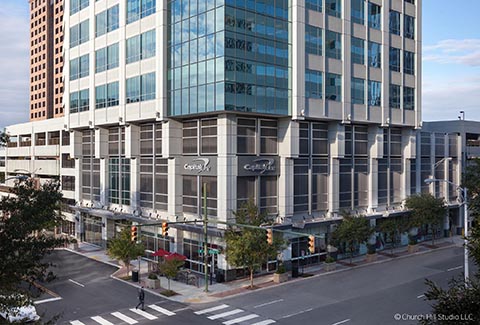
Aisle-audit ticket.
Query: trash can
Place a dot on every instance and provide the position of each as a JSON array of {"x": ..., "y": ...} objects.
[
  {"x": 134, "y": 276},
  {"x": 220, "y": 277}
]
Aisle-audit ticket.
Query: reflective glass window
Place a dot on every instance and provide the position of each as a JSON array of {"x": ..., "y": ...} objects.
[
  {"x": 374, "y": 54},
  {"x": 79, "y": 67},
  {"x": 313, "y": 40},
  {"x": 334, "y": 7},
  {"x": 106, "y": 21},
  {"x": 394, "y": 22},
  {"x": 358, "y": 91},
  {"x": 77, "y": 5},
  {"x": 408, "y": 98},
  {"x": 394, "y": 96},
  {"x": 79, "y": 33},
  {"x": 374, "y": 16},
  {"x": 314, "y": 5},
  {"x": 374, "y": 93},
  {"x": 333, "y": 45},
  {"x": 394, "y": 59},
  {"x": 333, "y": 89},
  {"x": 313, "y": 84},
  {"x": 106, "y": 58},
  {"x": 408, "y": 62},
  {"x": 358, "y": 11},
  {"x": 409, "y": 27},
  {"x": 358, "y": 50},
  {"x": 137, "y": 9}
]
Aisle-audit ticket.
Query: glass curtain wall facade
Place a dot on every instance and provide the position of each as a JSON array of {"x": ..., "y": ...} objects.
[{"x": 228, "y": 56}]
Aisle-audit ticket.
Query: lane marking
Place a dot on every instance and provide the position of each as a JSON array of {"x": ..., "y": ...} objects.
[
  {"x": 76, "y": 322},
  {"x": 341, "y": 322},
  {"x": 421, "y": 296},
  {"x": 265, "y": 322},
  {"x": 46, "y": 300},
  {"x": 101, "y": 320},
  {"x": 298, "y": 313},
  {"x": 181, "y": 309},
  {"x": 77, "y": 283},
  {"x": 268, "y": 303},
  {"x": 143, "y": 313},
  {"x": 211, "y": 309},
  {"x": 162, "y": 310},
  {"x": 454, "y": 268},
  {"x": 225, "y": 314},
  {"x": 125, "y": 318},
  {"x": 240, "y": 319}
]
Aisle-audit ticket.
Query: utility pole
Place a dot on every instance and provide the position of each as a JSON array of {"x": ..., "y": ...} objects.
[{"x": 205, "y": 234}]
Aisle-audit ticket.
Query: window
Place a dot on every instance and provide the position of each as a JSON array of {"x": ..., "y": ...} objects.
[
  {"x": 358, "y": 50},
  {"x": 313, "y": 40},
  {"x": 77, "y": 5},
  {"x": 246, "y": 129},
  {"x": 374, "y": 54},
  {"x": 137, "y": 9},
  {"x": 358, "y": 91},
  {"x": 374, "y": 16},
  {"x": 410, "y": 1},
  {"x": 374, "y": 93},
  {"x": 358, "y": 11},
  {"x": 106, "y": 95},
  {"x": 79, "y": 67},
  {"x": 394, "y": 59},
  {"x": 409, "y": 27},
  {"x": 408, "y": 62},
  {"x": 394, "y": 96},
  {"x": 68, "y": 183},
  {"x": 268, "y": 137},
  {"x": 268, "y": 194},
  {"x": 313, "y": 84},
  {"x": 334, "y": 7},
  {"x": 79, "y": 34},
  {"x": 140, "y": 47},
  {"x": 394, "y": 22},
  {"x": 314, "y": 5},
  {"x": 209, "y": 136},
  {"x": 106, "y": 21},
  {"x": 106, "y": 58},
  {"x": 334, "y": 87},
  {"x": 79, "y": 101},
  {"x": 141, "y": 88},
  {"x": 408, "y": 98},
  {"x": 334, "y": 45}
]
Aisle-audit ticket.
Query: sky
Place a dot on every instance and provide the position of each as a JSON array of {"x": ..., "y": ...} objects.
[{"x": 450, "y": 74}]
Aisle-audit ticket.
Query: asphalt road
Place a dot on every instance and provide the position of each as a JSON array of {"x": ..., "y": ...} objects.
[{"x": 370, "y": 295}]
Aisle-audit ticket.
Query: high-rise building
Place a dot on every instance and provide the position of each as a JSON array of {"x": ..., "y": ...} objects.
[
  {"x": 46, "y": 59},
  {"x": 307, "y": 107}
]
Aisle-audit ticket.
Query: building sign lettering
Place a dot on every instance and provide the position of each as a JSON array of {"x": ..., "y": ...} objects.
[{"x": 261, "y": 165}]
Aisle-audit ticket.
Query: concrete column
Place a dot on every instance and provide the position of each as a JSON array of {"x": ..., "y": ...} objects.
[
  {"x": 175, "y": 188},
  {"x": 226, "y": 167},
  {"x": 285, "y": 187},
  {"x": 134, "y": 182},
  {"x": 104, "y": 181}
]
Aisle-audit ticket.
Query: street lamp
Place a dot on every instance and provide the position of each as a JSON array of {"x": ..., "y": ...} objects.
[
  {"x": 463, "y": 115},
  {"x": 465, "y": 220},
  {"x": 32, "y": 174}
]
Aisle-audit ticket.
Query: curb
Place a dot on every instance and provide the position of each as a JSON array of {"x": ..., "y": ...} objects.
[{"x": 95, "y": 259}]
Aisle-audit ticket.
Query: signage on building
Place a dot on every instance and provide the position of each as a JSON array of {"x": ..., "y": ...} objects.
[
  {"x": 254, "y": 165},
  {"x": 198, "y": 165}
]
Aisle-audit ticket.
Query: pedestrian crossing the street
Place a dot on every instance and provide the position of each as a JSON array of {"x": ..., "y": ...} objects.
[
  {"x": 229, "y": 315},
  {"x": 128, "y": 316}
]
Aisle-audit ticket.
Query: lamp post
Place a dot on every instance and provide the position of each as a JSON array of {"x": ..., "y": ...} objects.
[{"x": 465, "y": 221}]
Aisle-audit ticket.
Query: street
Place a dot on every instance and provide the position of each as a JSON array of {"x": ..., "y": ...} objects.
[{"x": 374, "y": 294}]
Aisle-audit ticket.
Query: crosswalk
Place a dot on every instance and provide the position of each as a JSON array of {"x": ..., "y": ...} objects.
[
  {"x": 229, "y": 315},
  {"x": 129, "y": 316}
]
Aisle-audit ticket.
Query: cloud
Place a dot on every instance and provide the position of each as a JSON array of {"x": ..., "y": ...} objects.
[
  {"x": 14, "y": 63},
  {"x": 453, "y": 51}
]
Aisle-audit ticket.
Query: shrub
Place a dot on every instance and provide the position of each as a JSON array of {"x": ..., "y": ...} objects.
[
  {"x": 281, "y": 269},
  {"x": 371, "y": 249},
  {"x": 329, "y": 259},
  {"x": 152, "y": 276}
]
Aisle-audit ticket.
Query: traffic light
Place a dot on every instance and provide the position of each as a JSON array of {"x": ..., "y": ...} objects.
[
  {"x": 134, "y": 234},
  {"x": 270, "y": 236},
  {"x": 165, "y": 229},
  {"x": 311, "y": 244}
]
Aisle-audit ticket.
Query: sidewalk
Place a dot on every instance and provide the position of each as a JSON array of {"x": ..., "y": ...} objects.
[{"x": 216, "y": 291}]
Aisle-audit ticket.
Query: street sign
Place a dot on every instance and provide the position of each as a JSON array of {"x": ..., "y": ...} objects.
[{"x": 210, "y": 251}]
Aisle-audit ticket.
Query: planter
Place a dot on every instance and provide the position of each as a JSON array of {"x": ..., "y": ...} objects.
[
  {"x": 280, "y": 277},
  {"x": 371, "y": 257},
  {"x": 413, "y": 248},
  {"x": 73, "y": 246},
  {"x": 152, "y": 284},
  {"x": 330, "y": 267}
]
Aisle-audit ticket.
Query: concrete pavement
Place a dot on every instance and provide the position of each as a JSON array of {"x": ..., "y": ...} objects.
[{"x": 196, "y": 294}]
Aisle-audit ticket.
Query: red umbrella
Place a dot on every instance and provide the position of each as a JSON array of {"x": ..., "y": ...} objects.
[
  {"x": 175, "y": 256},
  {"x": 161, "y": 252}
]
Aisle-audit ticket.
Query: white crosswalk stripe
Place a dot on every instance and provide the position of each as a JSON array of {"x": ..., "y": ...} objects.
[
  {"x": 240, "y": 319},
  {"x": 209, "y": 310},
  {"x": 143, "y": 313},
  {"x": 101, "y": 320},
  {"x": 162, "y": 310},
  {"x": 125, "y": 318},
  {"x": 265, "y": 322},
  {"x": 225, "y": 314},
  {"x": 76, "y": 322}
]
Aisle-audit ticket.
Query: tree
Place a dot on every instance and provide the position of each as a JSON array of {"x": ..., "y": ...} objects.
[
  {"x": 247, "y": 246},
  {"x": 123, "y": 249},
  {"x": 170, "y": 267},
  {"x": 393, "y": 227},
  {"x": 3, "y": 138},
  {"x": 426, "y": 209},
  {"x": 471, "y": 180},
  {"x": 351, "y": 232},
  {"x": 26, "y": 215}
]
